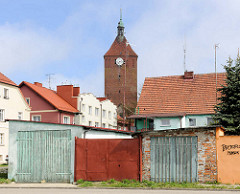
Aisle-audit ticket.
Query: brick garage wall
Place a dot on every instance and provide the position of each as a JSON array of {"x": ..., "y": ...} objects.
[{"x": 207, "y": 160}]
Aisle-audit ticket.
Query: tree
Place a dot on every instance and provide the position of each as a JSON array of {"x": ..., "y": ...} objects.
[{"x": 227, "y": 111}]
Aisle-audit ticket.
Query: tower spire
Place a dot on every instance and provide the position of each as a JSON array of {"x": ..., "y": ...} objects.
[{"x": 120, "y": 28}]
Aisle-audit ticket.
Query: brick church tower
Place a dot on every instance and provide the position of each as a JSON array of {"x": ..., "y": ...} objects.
[{"x": 121, "y": 73}]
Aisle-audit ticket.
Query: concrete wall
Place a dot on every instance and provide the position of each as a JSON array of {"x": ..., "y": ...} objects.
[
  {"x": 11, "y": 106},
  {"x": 15, "y": 126},
  {"x": 201, "y": 120},
  {"x": 228, "y": 152},
  {"x": 207, "y": 151},
  {"x": 106, "y": 135}
]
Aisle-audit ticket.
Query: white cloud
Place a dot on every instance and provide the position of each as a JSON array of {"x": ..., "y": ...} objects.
[
  {"x": 91, "y": 83},
  {"x": 159, "y": 36},
  {"x": 23, "y": 47}
]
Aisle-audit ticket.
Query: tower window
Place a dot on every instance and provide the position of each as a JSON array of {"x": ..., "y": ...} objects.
[{"x": 119, "y": 91}]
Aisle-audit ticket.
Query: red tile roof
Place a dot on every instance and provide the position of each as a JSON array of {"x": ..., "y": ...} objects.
[
  {"x": 174, "y": 94},
  {"x": 101, "y": 98},
  {"x": 51, "y": 97},
  {"x": 6, "y": 80},
  {"x": 118, "y": 47}
]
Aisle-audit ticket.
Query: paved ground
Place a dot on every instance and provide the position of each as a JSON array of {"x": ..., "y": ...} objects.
[{"x": 105, "y": 191}]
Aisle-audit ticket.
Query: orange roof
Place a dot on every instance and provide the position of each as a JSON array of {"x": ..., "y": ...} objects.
[
  {"x": 176, "y": 94},
  {"x": 101, "y": 98},
  {"x": 6, "y": 80},
  {"x": 118, "y": 47},
  {"x": 51, "y": 97}
]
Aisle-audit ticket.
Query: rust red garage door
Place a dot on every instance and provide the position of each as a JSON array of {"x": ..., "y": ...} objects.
[{"x": 104, "y": 159}]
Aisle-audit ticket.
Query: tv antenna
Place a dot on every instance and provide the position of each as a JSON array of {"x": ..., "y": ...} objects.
[
  {"x": 184, "y": 53},
  {"x": 49, "y": 77}
]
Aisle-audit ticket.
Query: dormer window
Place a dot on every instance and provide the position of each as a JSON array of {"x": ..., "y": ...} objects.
[
  {"x": 28, "y": 100},
  {"x": 6, "y": 93}
]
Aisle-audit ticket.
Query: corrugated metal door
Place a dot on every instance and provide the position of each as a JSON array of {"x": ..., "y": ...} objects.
[
  {"x": 174, "y": 159},
  {"x": 44, "y": 156}
]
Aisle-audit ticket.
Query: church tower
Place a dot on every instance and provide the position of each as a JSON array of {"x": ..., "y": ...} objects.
[{"x": 121, "y": 73}]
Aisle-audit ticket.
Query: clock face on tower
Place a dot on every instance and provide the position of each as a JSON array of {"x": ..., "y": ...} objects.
[{"x": 119, "y": 61}]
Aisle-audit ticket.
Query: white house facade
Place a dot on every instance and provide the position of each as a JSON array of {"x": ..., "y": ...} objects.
[
  {"x": 12, "y": 106},
  {"x": 97, "y": 112}
]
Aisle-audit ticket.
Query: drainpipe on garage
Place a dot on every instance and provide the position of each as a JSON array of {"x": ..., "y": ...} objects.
[{"x": 84, "y": 133}]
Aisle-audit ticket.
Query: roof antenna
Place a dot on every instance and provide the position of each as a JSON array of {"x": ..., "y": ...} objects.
[
  {"x": 184, "y": 52},
  {"x": 238, "y": 53},
  {"x": 49, "y": 79}
]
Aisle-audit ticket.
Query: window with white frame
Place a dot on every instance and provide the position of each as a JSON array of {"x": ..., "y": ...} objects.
[
  {"x": 90, "y": 110},
  {"x": 83, "y": 107},
  {"x": 104, "y": 125},
  {"x": 109, "y": 115},
  {"x": 20, "y": 115},
  {"x": 1, "y": 138},
  {"x": 96, "y": 112},
  {"x": 36, "y": 118},
  {"x": 109, "y": 126},
  {"x": 6, "y": 93},
  {"x": 210, "y": 121},
  {"x": 83, "y": 118},
  {"x": 96, "y": 124},
  {"x": 2, "y": 115},
  {"x": 192, "y": 122},
  {"x": 90, "y": 123},
  {"x": 28, "y": 100},
  {"x": 165, "y": 122},
  {"x": 104, "y": 113},
  {"x": 66, "y": 120}
]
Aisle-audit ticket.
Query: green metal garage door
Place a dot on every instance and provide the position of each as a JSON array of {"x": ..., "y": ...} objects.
[
  {"x": 44, "y": 156},
  {"x": 174, "y": 159}
]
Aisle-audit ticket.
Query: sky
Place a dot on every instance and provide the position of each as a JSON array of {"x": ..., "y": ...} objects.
[{"x": 68, "y": 38}]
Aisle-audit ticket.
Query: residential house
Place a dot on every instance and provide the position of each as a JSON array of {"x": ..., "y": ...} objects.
[
  {"x": 171, "y": 102},
  {"x": 98, "y": 112},
  {"x": 12, "y": 106},
  {"x": 50, "y": 106}
]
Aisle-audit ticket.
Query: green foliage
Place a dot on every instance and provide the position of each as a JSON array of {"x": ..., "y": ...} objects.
[
  {"x": 3, "y": 175},
  {"x": 6, "y": 181},
  {"x": 227, "y": 111},
  {"x": 82, "y": 183}
]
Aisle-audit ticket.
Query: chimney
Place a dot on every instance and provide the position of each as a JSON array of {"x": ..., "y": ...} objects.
[
  {"x": 67, "y": 92},
  {"x": 38, "y": 84},
  {"x": 188, "y": 75},
  {"x": 76, "y": 91}
]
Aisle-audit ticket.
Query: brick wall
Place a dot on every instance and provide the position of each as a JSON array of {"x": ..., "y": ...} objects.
[{"x": 207, "y": 160}]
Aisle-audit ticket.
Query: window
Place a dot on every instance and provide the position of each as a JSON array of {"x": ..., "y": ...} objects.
[
  {"x": 96, "y": 124},
  {"x": 165, "y": 122},
  {"x": 83, "y": 118},
  {"x": 20, "y": 115},
  {"x": 1, "y": 114},
  {"x": 109, "y": 126},
  {"x": 90, "y": 123},
  {"x": 66, "y": 120},
  {"x": 28, "y": 100},
  {"x": 109, "y": 114},
  {"x": 1, "y": 138},
  {"x": 1, "y": 157},
  {"x": 6, "y": 93},
  {"x": 83, "y": 107},
  {"x": 104, "y": 125},
  {"x": 36, "y": 118},
  {"x": 192, "y": 122},
  {"x": 210, "y": 121},
  {"x": 89, "y": 110},
  {"x": 96, "y": 112},
  {"x": 104, "y": 113}
]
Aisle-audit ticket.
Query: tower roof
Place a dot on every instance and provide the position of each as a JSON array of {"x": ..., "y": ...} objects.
[{"x": 120, "y": 48}]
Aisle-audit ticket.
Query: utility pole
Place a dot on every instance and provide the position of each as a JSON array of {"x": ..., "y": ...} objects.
[{"x": 215, "y": 47}]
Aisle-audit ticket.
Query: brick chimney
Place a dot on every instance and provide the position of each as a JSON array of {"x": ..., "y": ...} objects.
[
  {"x": 68, "y": 92},
  {"x": 38, "y": 84},
  {"x": 188, "y": 75}
]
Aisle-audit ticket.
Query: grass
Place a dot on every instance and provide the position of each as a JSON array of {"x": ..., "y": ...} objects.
[
  {"x": 3, "y": 165},
  {"x": 150, "y": 184}
]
